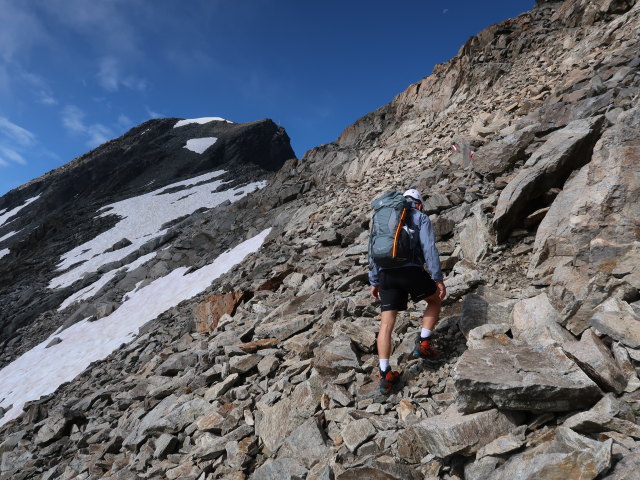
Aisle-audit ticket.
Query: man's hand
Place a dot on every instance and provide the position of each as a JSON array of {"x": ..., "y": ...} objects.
[
  {"x": 442, "y": 290},
  {"x": 375, "y": 292}
]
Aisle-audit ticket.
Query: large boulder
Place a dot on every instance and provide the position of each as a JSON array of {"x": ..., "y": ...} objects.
[
  {"x": 454, "y": 432},
  {"x": 275, "y": 423},
  {"x": 522, "y": 377},
  {"x": 596, "y": 360},
  {"x": 588, "y": 239},
  {"x": 535, "y": 322},
  {"x": 567, "y": 455},
  {"x": 564, "y": 151}
]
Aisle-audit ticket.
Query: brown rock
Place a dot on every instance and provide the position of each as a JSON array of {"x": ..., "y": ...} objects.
[{"x": 207, "y": 314}]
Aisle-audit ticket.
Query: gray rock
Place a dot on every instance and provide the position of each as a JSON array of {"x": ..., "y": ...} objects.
[
  {"x": 276, "y": 422},
  {"x": 336, "y": 356},
  {"x": 550, "y": 165},
  {"x": 485, "y": 305},
  {"x": 618, "y": 320},
  {"x": 567, "y": 455},
  {"x": 357, "y": 432},
  {"x": 243, "y": 363},
  {"x": 535, "y": 322},
  {"x": 504, "y": 444},
  {"x": 280, "y": 469},
  {"x": 171, "y": 415},
  {"x": 476, "y": 237},
  {"x": 165, "y": 444},
  {"x": 596, "y": 361},
  {"x": 177, "y": 363},
  {"x": 455, "y": 432},
  {"x": 380, "y": 470},
  {"x": 57, "y": 425},
  {"x": 522, "y": 378},
  {"x": 626, "y": 468},
  {"x": 284, "y": 328},
  {"x": 222, "y": 387},
  {"x": 609, "y": 414},
  {"x": 307, "y": 442}
]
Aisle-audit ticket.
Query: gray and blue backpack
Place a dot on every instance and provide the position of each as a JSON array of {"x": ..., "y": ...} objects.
[{"x": 390, "y": 239}]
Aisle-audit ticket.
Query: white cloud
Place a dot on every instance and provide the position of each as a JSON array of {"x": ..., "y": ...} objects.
[
  {"x": 154, "y": 114},
  {"x": 16, "y": 133},
  {"x": 110, "y": 76},
  {"x": 12, "y": 155},
  {"x": 41, "y": 88},
  {"x": 124, "y": 121},
  {"x": 445, "y": 10},
  {"x": 73, "y": 121}
]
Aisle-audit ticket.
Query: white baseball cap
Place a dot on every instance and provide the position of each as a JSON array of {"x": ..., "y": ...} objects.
[{"x": 413, "y": 193}]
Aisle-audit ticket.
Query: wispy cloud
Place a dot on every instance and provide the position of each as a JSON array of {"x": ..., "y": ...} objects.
[
  {"x": 16, "y": 133},
  {"x": 73, "y": 119},
  {"x": 12, "y": 155},
  {"x": 110, "y": 76},
  {"x": 14, "y": 142},
  {"x": 41, "y": 88},
  {"x": 445, "y": 11},
  {"x": 154, "y": 114}
]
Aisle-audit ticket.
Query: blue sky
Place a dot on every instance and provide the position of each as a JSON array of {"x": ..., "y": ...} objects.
[{"x": 75, "y": 73}]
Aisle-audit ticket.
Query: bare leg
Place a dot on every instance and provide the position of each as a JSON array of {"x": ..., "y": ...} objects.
[
  {"x": 387, "y": 322},
  {"x": 431, "y": 314}
]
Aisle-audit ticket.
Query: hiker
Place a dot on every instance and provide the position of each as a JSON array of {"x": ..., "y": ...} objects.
[{"x": 392, "y": 286}]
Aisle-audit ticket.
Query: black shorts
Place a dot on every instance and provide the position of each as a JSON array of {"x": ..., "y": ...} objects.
[{"x": 396, "y": 284}]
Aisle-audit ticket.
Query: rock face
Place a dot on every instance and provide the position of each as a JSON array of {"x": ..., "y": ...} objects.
[
  {"x": 65, "y": 213},
  {"x": 522, "y": 378},
  {"x": 536, "y": 217}
]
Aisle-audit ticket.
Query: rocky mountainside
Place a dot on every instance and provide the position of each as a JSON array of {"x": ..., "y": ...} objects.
[
  {"x": 527, "y": 145},
  {"x": 50, "y": 216}
]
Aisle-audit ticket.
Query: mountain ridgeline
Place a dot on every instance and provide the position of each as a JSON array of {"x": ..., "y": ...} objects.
[{"x": 237, "y": 275}]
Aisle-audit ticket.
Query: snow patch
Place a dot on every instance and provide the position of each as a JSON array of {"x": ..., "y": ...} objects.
[
  {"x": 4, "y": 252},
  {"x": 199, "y": 145},
  {"x": 141, "y": 219},
  {"x": 93, "y": 289},
  {"x": 10, "y": 234},
  {"x": 41, "y": 370},
  {"x": 201, "y": 121},
  {"x": 7, "y": 214}
]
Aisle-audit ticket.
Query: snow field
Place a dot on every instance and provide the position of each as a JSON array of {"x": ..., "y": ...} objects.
[
  {"x": 93, "y": 289},
  {"x": 7, "y": 214},
  {"x": 10, "y": 234},
  {"x": 4, "y": 252},
  {"x": 201, "y": 121},
  {"x": 141, "y": 219},
  {"x": 41, "y": 370},
  {"x": 199, "y": 145}
]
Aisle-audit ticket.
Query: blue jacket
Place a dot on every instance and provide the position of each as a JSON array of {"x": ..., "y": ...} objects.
[{"x": 428, "y": 253}]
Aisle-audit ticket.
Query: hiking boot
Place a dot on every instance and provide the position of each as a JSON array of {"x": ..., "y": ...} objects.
[
  {"x": 388, "y": 380},
  {"x": 424, "y": 349}
]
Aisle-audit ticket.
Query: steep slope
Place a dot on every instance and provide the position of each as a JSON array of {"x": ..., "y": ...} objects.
[
  {"x": 59, "y": 233},
  {"x": 271, "y": 372}
]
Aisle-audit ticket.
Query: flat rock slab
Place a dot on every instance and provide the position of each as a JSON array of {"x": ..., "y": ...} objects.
[
  {"x": 618, "y": 320},
  {"x": 536, "y": 322},
  {"x": 336, "y": 356},
  {"x": 548, "y": 167},
  {"x": 454, "y": 432},
  {"x": 522, "y": 377},
  {"x": 597, "y": 362},
  {"x": 567, "y": 455}
]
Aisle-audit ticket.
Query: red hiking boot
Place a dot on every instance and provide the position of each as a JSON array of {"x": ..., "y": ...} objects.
[
  {"x": 388, "y": 380},
  {"x": 424, "y": 349}
]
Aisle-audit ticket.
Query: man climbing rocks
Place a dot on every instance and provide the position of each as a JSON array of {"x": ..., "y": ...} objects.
[{"x": 393, "y": 286}]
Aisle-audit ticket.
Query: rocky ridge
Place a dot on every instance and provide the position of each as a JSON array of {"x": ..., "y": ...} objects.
[{"x": 271, "y": 373}]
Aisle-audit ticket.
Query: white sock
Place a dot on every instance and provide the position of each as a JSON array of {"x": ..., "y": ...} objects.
[
  {"x": 425, "y": 333},
  {"x": 384, "y": 364}
]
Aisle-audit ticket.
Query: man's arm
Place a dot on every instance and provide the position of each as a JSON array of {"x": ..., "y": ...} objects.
[
  {"x": 431, "y": 254},
  {"x": 373, "y": 279}
]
